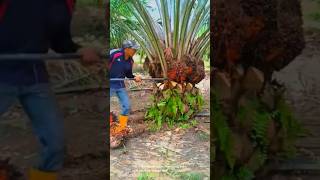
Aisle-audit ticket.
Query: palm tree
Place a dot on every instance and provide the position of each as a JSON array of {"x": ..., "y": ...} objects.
[
  {"x": 175, "y": 44},
  {"x": 118, "y": 10},
  {"x": 120, "y": 15}
]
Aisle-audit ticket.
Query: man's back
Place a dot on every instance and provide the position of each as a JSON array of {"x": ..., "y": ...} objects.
[{"x": 119, "y": 67}]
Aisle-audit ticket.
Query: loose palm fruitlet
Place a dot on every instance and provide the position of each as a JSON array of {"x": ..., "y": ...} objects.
[{"x": 8, "y": 171}]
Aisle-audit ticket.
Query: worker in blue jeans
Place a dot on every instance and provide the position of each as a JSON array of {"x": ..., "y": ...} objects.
[
  {"x": 120, "y": 66},
  {"x": 35, "y": 26},
  {"x": 39, "y": 103}
]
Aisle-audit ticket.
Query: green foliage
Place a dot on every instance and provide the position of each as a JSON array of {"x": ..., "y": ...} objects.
[
  {"x": 183, "y": 27},
  {"x": 194, "y": 122},
  {"x": 146, "y": 176},
  {"x": 257, "y": 160},
  {"x": 118, "y": 10},
  {"x": 203, "y": 136},
  {"x": 170, "y": 107},
  {"x": 222, "y": 132},
  {"x": 175, "y": 173},
  {"x": 259, "y": 131},
  {"x": 291, "y": 128},
  {"x": 191, "y": 176},
  {"x": 255, "y": 119},
  {"x": 244, "y": 174},
  {"x": 120, "y": 14},
  {"x": 315, "y": 16},
  {"x": 185, "y": 126},
  {"x": 240, "y": 174}
]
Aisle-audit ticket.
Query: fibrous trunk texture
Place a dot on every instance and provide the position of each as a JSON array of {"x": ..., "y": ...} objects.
[{"x": 252, "y": 39}]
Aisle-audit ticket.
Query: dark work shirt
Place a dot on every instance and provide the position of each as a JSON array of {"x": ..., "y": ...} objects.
[
  {"x": 33, "y": 26},
  {"x": 119, "y": 68}
]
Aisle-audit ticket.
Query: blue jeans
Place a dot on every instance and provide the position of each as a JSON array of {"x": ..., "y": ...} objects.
[
  {"x": 39, "y": 103},
  {"x": 123, "y": 98}
]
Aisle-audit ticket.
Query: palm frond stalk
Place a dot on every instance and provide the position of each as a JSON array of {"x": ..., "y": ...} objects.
[{"x": 176, "y": 43}]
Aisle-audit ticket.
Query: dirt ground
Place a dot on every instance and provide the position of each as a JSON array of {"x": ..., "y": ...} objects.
[
  {"x": 302, "y": 81},
  {"x": 166, "y": 153},
  {"x": 84, "y": 113}
]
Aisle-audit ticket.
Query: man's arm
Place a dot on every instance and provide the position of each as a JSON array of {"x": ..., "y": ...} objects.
[{"x": 129, "y": 73}]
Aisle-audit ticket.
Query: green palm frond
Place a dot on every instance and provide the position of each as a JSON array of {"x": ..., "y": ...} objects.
[{"x": 183, "y": 27}]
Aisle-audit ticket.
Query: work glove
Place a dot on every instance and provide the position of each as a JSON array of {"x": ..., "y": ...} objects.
[{"x": 137, "y": 78}]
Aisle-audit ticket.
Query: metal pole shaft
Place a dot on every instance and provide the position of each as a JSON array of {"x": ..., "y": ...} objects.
[
  {"x": 50, "y": 56},
  {"x": 144, "y": 79},
  {"x": 56, "y": 56}
]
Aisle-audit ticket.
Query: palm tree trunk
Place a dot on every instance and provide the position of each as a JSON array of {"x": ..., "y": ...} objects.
[{"x": 252, "y": 39}]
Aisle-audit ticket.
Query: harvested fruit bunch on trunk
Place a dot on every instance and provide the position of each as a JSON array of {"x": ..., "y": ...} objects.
[
  {"x": 174, "y": 102},
  {"x": 190, "y": 69}
]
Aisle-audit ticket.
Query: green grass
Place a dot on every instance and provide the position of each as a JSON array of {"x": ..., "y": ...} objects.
[
  {"x": 185, "y": 126},
  {"x": 315, "y": 16},
  {"x": 189, "y": 124},
  {"x": 311, "y": 14},
  {"x": 146, "y": 176},
  {"x": 194, "y": 122},
  {"x": 207, "y": 65},
  {"x": 153, "y": 127},
  {"x": 175, "y": 175},
  {"x": 173, "y": 170},
  {"x": 203, "y": 136},
  {"x": 191, "y": 176}
]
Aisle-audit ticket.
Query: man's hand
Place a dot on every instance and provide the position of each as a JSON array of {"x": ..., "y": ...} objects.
[
  {"x": 89, "y": 56},
  {"x": 138, "y": 78}
]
